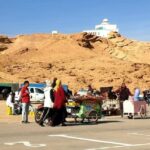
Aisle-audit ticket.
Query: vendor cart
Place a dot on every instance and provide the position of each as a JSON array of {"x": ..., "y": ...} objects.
[
  {"x": 85, "y": 108},
  {"x": 134, "y": 108}
]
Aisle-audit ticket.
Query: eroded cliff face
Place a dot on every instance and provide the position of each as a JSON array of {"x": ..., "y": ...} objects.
[{"x": 77, "y": 59}]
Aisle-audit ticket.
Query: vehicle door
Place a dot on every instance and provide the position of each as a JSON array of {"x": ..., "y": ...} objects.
[
  {"x": 32, "y": 94},
  {"x": 39, "y": 94}
]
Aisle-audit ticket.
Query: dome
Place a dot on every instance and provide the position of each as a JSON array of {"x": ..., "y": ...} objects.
[{"x": 105, "y": 20}]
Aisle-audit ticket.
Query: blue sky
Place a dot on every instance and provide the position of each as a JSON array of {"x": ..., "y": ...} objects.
[{"x": 69, "y": 16}]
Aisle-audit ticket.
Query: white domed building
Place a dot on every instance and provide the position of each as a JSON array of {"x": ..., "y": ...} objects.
[{"x": 103, "y": 29}]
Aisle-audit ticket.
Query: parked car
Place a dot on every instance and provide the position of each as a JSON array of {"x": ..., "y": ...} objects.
[
  {"x": 82, "y": 92},
  {"x": 36, "y": 94}
]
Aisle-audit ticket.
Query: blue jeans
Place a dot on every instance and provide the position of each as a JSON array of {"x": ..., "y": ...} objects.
[{"x": 25, "y": 111}]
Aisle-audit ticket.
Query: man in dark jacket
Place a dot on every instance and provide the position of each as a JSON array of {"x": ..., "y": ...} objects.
[
  {"x": 25, "y": 99},
  {"x": 124, "y": 94}
]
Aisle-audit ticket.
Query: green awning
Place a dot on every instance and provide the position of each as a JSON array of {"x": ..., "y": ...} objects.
[
  {"x": 13, "y": 86},
  {"x": 9, "y": 84}
]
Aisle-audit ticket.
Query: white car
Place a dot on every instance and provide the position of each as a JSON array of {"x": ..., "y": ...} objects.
[
  {"x": 82, "y": 92},
  {"x": 36, "y": 94}
]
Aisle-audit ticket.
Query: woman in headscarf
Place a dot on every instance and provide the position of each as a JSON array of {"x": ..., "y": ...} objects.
[{"x": 59, "y": 104}]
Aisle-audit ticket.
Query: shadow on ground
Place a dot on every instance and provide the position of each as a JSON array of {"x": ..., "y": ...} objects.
[{"x": 90, "y": 124}]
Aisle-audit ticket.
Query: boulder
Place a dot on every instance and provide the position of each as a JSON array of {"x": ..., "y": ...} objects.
[
  {"x": 4, "y": 39},
  {"x": 85, "y": 44},
  {"x": 139, "y": 75},
  {"x": 113, "y": 35},
  {"x": 87, "y": 39},
  {"x": 3, "y": 47}
]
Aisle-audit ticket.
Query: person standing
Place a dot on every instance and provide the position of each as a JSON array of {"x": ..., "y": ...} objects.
[
  {"x": 137, "y": 93},
  {"x": 59, "y": 105},
  {"x": 25, "y": 99},
  {"x": 124, "y": 94},
  {"x": 90, "y": 89},
  {"x": 5, "y": 93},
  {"x": 48, "y": 103}
]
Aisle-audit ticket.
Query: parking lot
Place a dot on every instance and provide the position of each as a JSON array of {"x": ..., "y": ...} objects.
[{"x": 110, "y": 133}]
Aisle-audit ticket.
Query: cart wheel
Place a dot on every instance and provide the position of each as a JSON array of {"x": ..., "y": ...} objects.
[
  {"x": 93, "y": 117},
  {"x": 130, "y": 116},
  {"x": 142, "y": 113},
  {"x": 38, "y": 115}
]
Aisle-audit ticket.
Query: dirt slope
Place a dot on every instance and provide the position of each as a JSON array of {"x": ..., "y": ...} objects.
[{"x": 77, "y": 59}]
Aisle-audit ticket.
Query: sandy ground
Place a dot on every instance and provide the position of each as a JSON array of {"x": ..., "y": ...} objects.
[{"x": 5, "y": 118}]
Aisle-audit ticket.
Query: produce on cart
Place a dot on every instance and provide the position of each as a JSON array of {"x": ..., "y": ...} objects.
[{"x": 85, "y": 108}]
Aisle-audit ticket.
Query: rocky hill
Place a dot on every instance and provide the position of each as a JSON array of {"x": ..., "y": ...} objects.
[{"x": 77, "y": 59}]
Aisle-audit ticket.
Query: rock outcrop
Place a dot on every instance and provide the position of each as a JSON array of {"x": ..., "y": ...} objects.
[
  {"x": 4, "y": 39},
  {"x": 4, "y": 42}
]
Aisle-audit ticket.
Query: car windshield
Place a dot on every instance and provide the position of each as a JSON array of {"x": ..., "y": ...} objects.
[
  {"x": 31, "y": 90},
  {"x": 39, "y": 91}
]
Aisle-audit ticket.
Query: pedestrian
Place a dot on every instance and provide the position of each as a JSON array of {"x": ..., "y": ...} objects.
[
  {"x": 124, "y": 94},
  {"x": 59, "y": 105},
  {"x": 54, "y": 82},
  {"x": 90, "y": 89},
  {"x": 5, "y": 93},
  {"x": 137, "y": 93},
  {"x": 10, "y": 102},
  {"x": 48, "y": 103},
  {"x": 25, "y": 99}
]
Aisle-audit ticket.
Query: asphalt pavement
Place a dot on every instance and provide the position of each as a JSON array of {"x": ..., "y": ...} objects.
[{"x": 110, "y": 133}]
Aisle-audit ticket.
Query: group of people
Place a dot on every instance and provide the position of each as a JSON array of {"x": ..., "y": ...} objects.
[
  {"x": 54, "y": 103},
  {"x": 55, "y": 100},
  {"x": 123, "y": 93}
]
